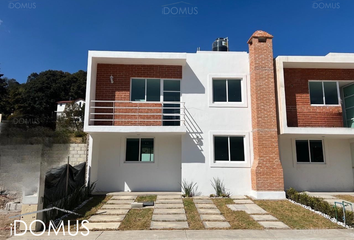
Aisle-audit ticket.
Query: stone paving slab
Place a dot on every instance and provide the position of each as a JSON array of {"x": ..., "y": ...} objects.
[
  {"x": 170, "y": 201},
  {"x": 159, "y": 197},
  {"x": 205, "y": 206},
  {"x": 102, "y": 226},
  {"x": 112, "y": 211},
  {"x": 270, "y": 224},
  {"x": 203, "y": 201},
  {"x": 264, "y": 218},
  {"x": 169, "y": 225},
  {"x": 208, "y": 211},
  {"x": 169, "y": 211},
  {"x": 106, "y": 218},
  {"x": 166, "y": 206},
  {"x": 119, "y": 201},
  {"x": 212, "y": 218},
  {"x": 121, "y": 206},
  {"x": 238, "y": 197},
  {"x": 248, "y": 208},
  {"x": 112, "y": 206},
  {"x": 170, "y": 217},
  {"x": 216, "y": 224},
  {"x": 123, "y": 197},
  {"x": 243, "y": 201}
]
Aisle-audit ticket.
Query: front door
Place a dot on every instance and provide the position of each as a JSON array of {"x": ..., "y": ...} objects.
[{"x": 171, "y": 110}]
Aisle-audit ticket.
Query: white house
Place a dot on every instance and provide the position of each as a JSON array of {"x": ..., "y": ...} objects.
[{"x": 61, "y": 105}]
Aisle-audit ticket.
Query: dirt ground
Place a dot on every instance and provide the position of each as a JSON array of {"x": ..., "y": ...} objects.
[{"x": 5, "y": 221}]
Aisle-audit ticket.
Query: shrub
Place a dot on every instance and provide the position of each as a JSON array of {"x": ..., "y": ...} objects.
[
  {"x": 189, "y": 188},
  {"x": 320, "y": 205},
  {"x": 219, "y": 187},
  {"x": 79, "y": 134}
]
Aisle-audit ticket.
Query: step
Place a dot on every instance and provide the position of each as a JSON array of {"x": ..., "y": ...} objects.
[{"x": 169, "y": 225}]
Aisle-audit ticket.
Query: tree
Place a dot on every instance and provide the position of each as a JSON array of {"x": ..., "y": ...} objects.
[{"x": 72, "y": 117}]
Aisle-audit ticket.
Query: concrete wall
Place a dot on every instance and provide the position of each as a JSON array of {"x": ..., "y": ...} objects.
[
  {"x": 335, "y": 174},
  {"x": 111, "y": 173},
  {"x": 22, "y": 166},
  {"x": 204, "y": 120}
]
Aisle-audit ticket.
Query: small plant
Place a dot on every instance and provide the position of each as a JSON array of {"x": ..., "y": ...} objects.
[
  {"x": 189, "y": 188},
  {"x": 219, "y": 187},
  {"x": 212, "y": 195}
]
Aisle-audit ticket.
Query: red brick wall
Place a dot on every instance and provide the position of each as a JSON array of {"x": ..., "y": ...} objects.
[
  {"x": 299, "y": 111},
  {"x": 266, "y": 171},
  {"x": 120, "y": 91}
]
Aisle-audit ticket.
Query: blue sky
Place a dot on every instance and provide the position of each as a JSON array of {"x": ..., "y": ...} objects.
[{"x": 37, "y": 35}]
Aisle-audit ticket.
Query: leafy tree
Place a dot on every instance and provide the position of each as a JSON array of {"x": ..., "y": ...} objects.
[{"x": 72, "y": 118}]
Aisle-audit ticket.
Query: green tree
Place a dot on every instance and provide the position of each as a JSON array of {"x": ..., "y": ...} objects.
[{"x": 72, "y": 118}]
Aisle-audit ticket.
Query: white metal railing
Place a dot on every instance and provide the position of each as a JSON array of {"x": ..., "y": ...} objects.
[{"x": 120, "y": 113}]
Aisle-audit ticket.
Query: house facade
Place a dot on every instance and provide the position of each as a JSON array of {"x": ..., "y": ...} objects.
[
  {"x": 62, "y": 105},
  {"x": 157, "y": 119}
]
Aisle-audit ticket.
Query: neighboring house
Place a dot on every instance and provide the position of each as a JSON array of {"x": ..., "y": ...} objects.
[
  {"x": 61, "y": 105},
  {"x": 156, "y": 119},
  {"x": 316, "y": 113}
]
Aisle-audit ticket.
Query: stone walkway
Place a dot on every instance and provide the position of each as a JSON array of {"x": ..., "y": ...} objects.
[
  {"x": 330, "y": 198},
  {"x": 209, "y": 213},
  {"x": 256, "y": 212},
  {"x": 169, "y": 213},
  {"x": 111, "y": 214}
]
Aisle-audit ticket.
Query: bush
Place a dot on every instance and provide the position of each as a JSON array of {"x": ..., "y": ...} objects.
[
  {"x": 79, "y": 134},
  {"x": 189, "y": 189},
  {"x": 219, "y": 187},
  {"x": 320, "y": 205}
]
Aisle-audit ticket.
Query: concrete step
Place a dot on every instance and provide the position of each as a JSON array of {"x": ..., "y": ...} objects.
[
  {"x": 169, "y": 217},
  {"x": 169, "y": 225},
  {"x": 216, "y": 224},
  {"x": 169, "y": 211},
  {"x": 208, "y": 217},
  {"x": 166, "y": 206},
  {"x": 102, "y": 226},
  {"x": 106, "y": 218}
]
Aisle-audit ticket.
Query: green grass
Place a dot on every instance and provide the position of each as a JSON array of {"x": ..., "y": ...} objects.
[
  {"x": 347, "y": 198},
  {"x": 193, "y": 218},
  {"x": 237, "y": 219},
  {"x": 137, "y": 219},
  {"x": 295, "y": 216},
  {"x": 147, "y": 198}
]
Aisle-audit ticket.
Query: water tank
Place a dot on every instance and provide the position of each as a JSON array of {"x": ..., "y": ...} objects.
[{"x": 221, "y": 44}]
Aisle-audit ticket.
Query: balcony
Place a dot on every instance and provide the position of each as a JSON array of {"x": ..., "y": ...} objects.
[{"x": 127, "y": 116}]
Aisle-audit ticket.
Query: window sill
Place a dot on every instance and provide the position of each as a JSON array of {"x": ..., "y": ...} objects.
[
  {"x": 138, "y": 162},
  {"x": 230, "y": 165},
  {"x": 316, "y": 163},
  {"x": 325, "y": 105},
  {"x": 228, "y": 105}
]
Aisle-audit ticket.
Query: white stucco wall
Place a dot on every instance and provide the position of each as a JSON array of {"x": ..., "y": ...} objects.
[
  {"x": 206, "y": 120},
  {"x": 111, "y": 173},
  {"x": 335, "y": 174}
]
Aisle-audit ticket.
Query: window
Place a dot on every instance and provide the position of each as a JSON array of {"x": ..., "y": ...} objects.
[
  {"x": 227, "y": 90},
  {"x": 308, "y": 151},
  {"x": 229, "y": 148},
  {"x": 140, "y": 150},
  {"x": 145, "y": 90},
  {"x": 324, "y": 93}
]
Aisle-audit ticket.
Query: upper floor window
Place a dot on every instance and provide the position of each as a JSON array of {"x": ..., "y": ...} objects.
[
  {"x": 309, "y": 151},
  {"x": 227, "y": 90},
  {"x": 324, "y": 93},
  {"x": 145, "y": 90}
]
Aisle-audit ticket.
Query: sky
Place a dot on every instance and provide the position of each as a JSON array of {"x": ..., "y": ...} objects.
[{"x": 38, "y": 35}]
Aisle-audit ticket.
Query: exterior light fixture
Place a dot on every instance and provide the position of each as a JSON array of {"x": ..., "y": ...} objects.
[{"x": 111, "y": 78}]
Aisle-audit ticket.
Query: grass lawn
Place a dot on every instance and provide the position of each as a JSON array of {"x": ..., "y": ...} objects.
[
  {"x": 295, "y": 216},
  {"x": 237, "y": 219},
  {"x": 193, "y": 218},
  {"x": 137, "y": 219},
  {"x": 147, "y": 198},
  {"x": 346, "y": 198}
]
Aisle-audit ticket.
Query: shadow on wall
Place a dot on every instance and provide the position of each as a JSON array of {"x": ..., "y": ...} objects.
[{"x": 194, "y": 84}]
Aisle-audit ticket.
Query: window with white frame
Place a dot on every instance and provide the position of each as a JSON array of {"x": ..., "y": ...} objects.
[
  {"x": 227, "y": 90},
  {"x": 324, "y": 92},
  {"x": 139, "y": 150},
  {"x": 145, "y": 90},
  {"x": 229, "y": 148},
  {"x": 309, "y": 151}
]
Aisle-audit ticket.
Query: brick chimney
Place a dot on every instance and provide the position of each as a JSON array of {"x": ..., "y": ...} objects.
[{"x": 266, "y": 171}]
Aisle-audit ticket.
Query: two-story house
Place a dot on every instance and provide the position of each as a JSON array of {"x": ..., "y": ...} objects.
[
  {"x": 156, "y": 119},
  {"x": 316, "y": 120}
]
